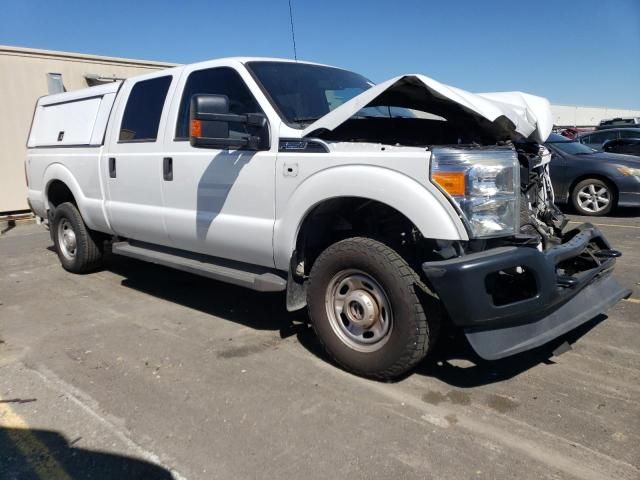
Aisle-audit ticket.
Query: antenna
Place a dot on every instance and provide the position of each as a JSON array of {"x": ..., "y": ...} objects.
[{"x": 293, "y": 33}]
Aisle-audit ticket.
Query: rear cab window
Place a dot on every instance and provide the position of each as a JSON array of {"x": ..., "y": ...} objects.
[{"x": 141, "y": 118}]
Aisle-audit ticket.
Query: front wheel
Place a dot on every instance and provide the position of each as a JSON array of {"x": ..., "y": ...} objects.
[
  {"x": 593, "y": 197},
  {"x": 365, "y": 309}
]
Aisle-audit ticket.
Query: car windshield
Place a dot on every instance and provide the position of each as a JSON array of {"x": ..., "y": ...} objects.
[
  {"x": 572, "y": 147},
  {"x": 302, "y": 93}
]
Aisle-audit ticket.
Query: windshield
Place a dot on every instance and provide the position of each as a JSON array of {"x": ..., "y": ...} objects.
[
  {"x": 571, "y": 147},
  {"x": 302, "y": 93}
]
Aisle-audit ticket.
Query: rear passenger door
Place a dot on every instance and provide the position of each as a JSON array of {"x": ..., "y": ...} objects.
[{"x": 132, "y": 167}]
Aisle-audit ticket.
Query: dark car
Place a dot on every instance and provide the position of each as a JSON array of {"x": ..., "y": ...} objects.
[
  {"x": 593, "y": 182},
  {"x": 596, "y": 138},
  {"x": 627, "y": 146},
  {"x": 619, "y": 122}
]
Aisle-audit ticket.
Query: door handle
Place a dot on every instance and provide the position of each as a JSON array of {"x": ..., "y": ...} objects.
[
  {"x": 112, "y": 167},
  {"x": 167, "y": 168}
]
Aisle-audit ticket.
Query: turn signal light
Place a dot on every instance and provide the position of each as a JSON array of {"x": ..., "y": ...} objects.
[
  {"x": 452, "y": 182},
  {"x": 196, "y": 128}
]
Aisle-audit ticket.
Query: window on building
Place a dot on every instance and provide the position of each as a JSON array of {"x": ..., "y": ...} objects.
[
  {"x": 141, "y": 117},
  {"x": 55, "y": 83}
]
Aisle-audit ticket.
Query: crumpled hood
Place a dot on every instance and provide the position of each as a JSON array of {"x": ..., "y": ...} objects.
[{"x": 515, "y": 114}]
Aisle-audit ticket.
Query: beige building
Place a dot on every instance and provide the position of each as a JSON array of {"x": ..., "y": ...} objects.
[
  {"x": 25, "y": 75},
  {"x": 579, "y": 116}
]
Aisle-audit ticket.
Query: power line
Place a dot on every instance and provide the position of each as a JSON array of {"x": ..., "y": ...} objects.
[{"x": 293, "y": 33}]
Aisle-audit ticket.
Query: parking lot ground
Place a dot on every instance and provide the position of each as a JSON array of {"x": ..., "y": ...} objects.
[{"x": 138, "y": 371}]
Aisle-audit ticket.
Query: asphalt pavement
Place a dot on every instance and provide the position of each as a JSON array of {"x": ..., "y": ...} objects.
[{"x": 139, "y": 371}]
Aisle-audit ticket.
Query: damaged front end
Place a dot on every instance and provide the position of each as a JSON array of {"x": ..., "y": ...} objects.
[
  {"x": 526, "y": 279},
  {"x": 523, "y": 278}
]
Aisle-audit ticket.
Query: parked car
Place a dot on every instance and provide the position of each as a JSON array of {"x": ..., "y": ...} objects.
[
  {"x": 596, "y": 139},
  {"x": 619, "y": 122},
  {"x": 594, "y": 183},
  {"x": 289, "y": 176},
  {"x": 627, "y": 146},
  {"x": 570, "y": 133}
]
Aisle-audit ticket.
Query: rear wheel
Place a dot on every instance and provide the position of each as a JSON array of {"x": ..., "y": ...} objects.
[
  {"x": 79, "y": 249},
  {"x": 593, "y": 197},
  {"x": 365, "y": 309}
]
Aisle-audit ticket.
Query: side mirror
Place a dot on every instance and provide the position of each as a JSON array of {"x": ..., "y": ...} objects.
[{"x": 209, "y": 120}]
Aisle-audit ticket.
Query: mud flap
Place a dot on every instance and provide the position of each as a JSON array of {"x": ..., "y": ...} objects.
[{"x": 593, "y": 300}]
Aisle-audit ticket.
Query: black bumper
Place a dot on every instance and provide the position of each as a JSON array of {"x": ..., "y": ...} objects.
[{"x": 556, "y": 304}]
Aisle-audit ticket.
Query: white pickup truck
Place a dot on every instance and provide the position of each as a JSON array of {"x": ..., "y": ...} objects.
[{"x": 386, "y": 209}]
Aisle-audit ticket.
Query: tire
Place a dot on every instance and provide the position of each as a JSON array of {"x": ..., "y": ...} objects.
[
  {"x": 382, "y": 330},
  {"x": 78, "y": 248},
  {"x": 593, "y": 197}
]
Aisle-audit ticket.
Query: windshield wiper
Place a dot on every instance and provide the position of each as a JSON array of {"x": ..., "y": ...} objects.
[{"x": 305, "y": 119}]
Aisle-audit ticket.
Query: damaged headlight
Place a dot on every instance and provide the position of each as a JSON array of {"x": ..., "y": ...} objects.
[{"x": 483, "y": 183}]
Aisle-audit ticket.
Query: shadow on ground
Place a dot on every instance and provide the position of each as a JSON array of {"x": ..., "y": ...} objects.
[
  {"x": 257, "y": 310},
  {"x": 452, "y": 361},
  {"x": 455, "y": 363},
  {"x": 27, "y": 454}
]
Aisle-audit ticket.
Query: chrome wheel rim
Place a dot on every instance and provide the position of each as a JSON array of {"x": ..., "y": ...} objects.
[
  {"x": 359, "y": 310},
  {"x": 594, "y": 197},
  {"x": 67, "y": 239}
]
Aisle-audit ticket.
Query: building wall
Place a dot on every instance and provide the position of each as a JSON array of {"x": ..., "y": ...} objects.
[
  {"x": 577, "y": 116},
  {"x": 23, "y": 78}
]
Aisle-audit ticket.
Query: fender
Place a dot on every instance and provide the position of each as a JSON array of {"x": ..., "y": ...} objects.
[
  {"x": 424, "y": 205},
  {"x": 90, "y": 208}
]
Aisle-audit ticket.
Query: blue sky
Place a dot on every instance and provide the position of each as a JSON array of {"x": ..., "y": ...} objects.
[{"x": 585, "y": 52}]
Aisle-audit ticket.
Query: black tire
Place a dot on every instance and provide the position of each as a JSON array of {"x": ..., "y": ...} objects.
[
  {"x": 590, "y": 208},
  {"x": 87, "y": 254},
  {"x": 411, "y": 334}
]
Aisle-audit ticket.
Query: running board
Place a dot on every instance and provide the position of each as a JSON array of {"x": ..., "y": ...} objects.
[{"x": 261, "y": 279}]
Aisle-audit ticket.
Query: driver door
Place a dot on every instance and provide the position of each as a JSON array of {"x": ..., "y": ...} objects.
[{"x": 218, "y": 202}]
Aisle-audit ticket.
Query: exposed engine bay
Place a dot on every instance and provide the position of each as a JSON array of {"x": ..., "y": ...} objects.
[{"x": 541, "y": 222}]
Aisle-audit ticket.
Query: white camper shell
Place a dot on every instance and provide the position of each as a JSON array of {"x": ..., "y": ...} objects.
[{"x": 71, "y": 119}]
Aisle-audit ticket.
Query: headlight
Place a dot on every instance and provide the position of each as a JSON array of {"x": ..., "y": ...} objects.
[
  {"x": 483, "y": 183},
  {"x": 629, "y": 172}
]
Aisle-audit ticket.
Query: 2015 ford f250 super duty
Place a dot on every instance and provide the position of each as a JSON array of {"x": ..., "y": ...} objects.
[{"x": 386, "y": 209}]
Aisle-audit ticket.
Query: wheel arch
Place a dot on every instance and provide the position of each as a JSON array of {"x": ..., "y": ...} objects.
[
  {"x": 56, "y": 178},
  {"x": 423, "y": 205},
  {"x": 59, "y": 181}
]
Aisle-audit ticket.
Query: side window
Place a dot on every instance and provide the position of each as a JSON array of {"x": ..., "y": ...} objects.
[
  {"x": 142, "y": 114},
  {"x": 630, "y": 133},
  {"x": 601, "y": 137},
  {"x": 218, "y": 81}
]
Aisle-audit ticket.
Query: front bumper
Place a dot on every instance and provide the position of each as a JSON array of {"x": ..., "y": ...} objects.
[
  {"x": 629, "y": 199},
  {"x": 628, "y": 191},
  {"x": 549, "y": 303}
]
